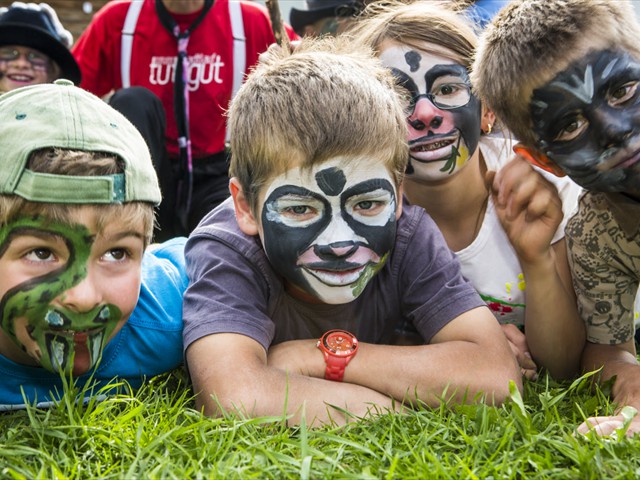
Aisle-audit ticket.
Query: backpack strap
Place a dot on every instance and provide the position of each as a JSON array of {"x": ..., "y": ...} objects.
[
  {"x": 128, "y": 30},
  {"x": 239, "y": 49}
]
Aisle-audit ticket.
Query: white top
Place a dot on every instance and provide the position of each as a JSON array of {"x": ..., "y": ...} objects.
[{"x": 490, "y": 262}]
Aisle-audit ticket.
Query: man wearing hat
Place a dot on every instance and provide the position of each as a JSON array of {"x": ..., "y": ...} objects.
[
  {"x": 324, "y": 16},
  {"x": 34, "y": 47}
]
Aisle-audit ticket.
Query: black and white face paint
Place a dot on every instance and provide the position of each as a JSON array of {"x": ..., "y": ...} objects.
[
  {"x": 329, "y": 229},
  {"x": 443, "y": 116}
]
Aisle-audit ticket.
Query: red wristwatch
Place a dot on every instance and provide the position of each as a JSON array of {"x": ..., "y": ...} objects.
[{"x": 338, "y": 348}]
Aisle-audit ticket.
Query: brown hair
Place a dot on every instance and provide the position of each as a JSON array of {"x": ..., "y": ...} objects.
[
  {"x": 325, "y": 99},
  {"x": 437, "y": 23},
  {"x": 77, "y": 163}
]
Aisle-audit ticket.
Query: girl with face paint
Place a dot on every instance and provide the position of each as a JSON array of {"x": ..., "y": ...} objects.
[{"x": 506, "y": 229}]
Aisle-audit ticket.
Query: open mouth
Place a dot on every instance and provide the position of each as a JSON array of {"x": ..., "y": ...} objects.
[
  {"x": 77, "y": 335},
  {"x": 432, "y": 149},
  {"x": 20, "y": 78}
]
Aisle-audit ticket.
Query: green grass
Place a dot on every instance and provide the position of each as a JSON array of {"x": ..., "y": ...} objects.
[{"x": 156, "y": 433}]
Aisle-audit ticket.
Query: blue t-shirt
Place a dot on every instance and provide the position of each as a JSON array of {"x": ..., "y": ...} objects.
[{"x": 148, "y": 344}]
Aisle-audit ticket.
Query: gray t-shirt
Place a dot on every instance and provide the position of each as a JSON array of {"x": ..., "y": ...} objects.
[{"x": 233, "y": 288}]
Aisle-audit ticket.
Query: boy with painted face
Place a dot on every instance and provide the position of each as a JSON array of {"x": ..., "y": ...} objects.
[
  {"x": 79, "y": 297},
  {"x": 315, "y": 238},
  {"x": 575, "y": 110}
]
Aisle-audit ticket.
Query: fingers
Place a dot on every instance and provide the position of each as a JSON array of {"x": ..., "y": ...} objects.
[
  {"x": 601, "y": 426},
  {"x": 517, "y": 187},
  {"x": 518, "y": 344},
  {"x": 611, "y": 425}
]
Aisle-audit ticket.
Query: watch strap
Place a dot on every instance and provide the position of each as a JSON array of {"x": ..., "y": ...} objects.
[{"x": 335, "y": 367}]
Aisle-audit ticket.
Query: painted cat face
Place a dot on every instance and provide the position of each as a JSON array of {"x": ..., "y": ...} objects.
[
  {"x": 587, "y": 120},
  {"x": 66, "y": 291},
  {"x": 444, "y": 117},
  {"x": 329, "y": 229}
]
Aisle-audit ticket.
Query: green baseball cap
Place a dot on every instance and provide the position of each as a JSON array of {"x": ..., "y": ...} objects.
[{"x": 61, "y": 115}]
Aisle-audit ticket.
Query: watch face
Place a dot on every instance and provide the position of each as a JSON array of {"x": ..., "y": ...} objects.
[{"x": 340, "y": 343}]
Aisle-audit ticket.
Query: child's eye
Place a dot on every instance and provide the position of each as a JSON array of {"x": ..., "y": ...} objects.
[
  {"x": 369, "y": 207},
  {"x": 40, "y": 255},
  {"x": 298, "y": 211},
  {"x": 116, "y": 255},
  {"x": 623, "y": 94},
  {"x": 573, "y": 129}
]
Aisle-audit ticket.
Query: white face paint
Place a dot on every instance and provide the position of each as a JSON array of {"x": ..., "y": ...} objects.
[
  {"x": 329, "y": 229},
  {"x": 443, "y": 137}
]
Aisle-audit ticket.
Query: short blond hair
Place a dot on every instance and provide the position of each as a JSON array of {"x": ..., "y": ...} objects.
[
  {"x": 326, "y": 99},
  {"x": 530, "y": 41},
  {"x": 77, "y": 163}
]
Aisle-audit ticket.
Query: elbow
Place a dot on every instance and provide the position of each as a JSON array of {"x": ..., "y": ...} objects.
[{"x": 503, "y": 380}]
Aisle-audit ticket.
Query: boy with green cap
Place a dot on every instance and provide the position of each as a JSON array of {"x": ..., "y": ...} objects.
[
  {"x": 564, "y": 76},
  {"x": 79, "y": 296}
]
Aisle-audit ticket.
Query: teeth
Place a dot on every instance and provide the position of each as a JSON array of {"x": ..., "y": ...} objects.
[{"x": 432, "y": 146}]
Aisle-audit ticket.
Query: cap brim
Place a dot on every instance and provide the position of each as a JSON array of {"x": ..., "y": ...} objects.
[{"x": 38, "y": 39}]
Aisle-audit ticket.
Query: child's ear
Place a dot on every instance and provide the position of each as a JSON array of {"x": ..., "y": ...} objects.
[
  {"x": 488, "y": 120},
  {"x": 244, "y": 215},
  {"x": 539, "y": 159}
]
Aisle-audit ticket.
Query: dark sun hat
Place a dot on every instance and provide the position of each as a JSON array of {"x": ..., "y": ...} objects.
[
  {"x": 319, "y": 9},
  {"x": 38, "y": 27}
]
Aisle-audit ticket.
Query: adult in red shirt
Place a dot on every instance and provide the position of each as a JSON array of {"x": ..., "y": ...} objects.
[{"x": 209, "y": 85}]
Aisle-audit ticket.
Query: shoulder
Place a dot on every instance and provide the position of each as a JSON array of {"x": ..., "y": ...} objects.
[
  {"x": 113, "y": 11},
  {"x": 163, "y": 283},
  {"x": 218, "y": 243}
]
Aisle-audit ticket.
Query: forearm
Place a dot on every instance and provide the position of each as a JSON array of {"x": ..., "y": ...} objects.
[
  {"x": 554, "y": 331},
  {"x": 457, "y": 371},
  {"x": 469, "y": 356},
  {"x": 619, "y": 361},
  {"x": 243, "y": 383}
]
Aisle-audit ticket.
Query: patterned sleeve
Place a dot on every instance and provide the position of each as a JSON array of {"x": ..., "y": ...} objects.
[{"x": 605, "y": 285}]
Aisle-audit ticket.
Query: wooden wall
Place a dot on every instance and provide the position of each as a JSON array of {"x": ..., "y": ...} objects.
[{"x": 72, "y": 13}]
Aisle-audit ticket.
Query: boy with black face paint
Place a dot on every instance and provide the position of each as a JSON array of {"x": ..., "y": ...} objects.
[
  {"x": 564, "y": 76},
  {"x": 315, "y": 238},
  {"x": 79, "y": 297}
]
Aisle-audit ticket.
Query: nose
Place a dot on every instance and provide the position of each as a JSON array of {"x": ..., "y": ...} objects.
[
  {"x": 616, "y": 129},
  {"x": 425, "y": 115},
  {"x": 335, "y": 250},
  {"x": 83, "y": 297}
]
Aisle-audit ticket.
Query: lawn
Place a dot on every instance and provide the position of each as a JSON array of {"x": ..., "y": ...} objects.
[{"x": 156, "y": 433}]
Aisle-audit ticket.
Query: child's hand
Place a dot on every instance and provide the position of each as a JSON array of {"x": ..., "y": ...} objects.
[
  {"x": 300, "y": 357},
  {"x": 518, "y": 344},
  {"x": 626, "y": 422},
  {"x": 528, "y": 206}
]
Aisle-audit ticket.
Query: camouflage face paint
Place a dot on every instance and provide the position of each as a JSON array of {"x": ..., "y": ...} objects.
[
  {"x": 60, "y": 339},
  {"x": 328, "y": 230},
  {"x": 444, "y": 117}
]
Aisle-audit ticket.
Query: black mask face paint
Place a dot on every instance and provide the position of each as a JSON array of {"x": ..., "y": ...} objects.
[
  {"x": 587, "y": 120},
  {"x": 329, "y": 230},
  {"x": 442, "y": 138}
]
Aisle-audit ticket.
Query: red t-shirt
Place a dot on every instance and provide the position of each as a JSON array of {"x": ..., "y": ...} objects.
[{"x": 153, "y": 60}]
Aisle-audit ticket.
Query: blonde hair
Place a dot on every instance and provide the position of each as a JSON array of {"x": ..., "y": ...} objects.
[
  {"x": 437, "y": 23},
  {"x": 530, "y": 41},
  {"x": 77, "y": 163},
  {"x": 325, "y": 99}
]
